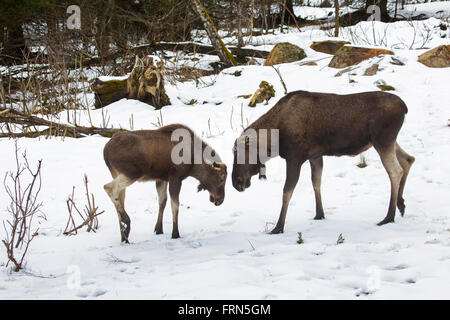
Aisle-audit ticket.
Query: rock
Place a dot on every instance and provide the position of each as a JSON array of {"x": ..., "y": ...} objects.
[
  {"x": 328, "y": 46},
  {"x": 349, "y": 55},
  {"x": 309, "y": 63},
  {"x": 265, "y": 92},
  {"x": 386, "y": 87},
  {"x": 397, "y": 62},
  {"x": 438, "y": 57},
  {"x": 372, "y": 70},
  {"x": 381, "y": 84},
  {"x": 283, "y": 53}
]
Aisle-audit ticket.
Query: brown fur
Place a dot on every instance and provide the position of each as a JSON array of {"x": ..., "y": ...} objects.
[
  {"x": 145, "y": 155},
  {"x": 312, "y": 125}
]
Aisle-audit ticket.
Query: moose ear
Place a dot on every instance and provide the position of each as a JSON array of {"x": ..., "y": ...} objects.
[
  {"x": 200, "y": 187},
  {"x": 215, "y": 166}
]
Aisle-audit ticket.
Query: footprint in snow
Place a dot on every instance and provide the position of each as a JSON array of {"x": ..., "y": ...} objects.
[
  {"x": 397, "y": 267},
  {"x": 98, "y": 292},
  {"x": 89, "y": 292},
  {"x": 410, "y": 281},
  {"x": 228, "y": 223}
]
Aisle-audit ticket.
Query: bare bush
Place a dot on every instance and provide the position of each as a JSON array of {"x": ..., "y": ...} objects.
[
  {"x": 23, "y": 208},
  {"x": 88, "y": 216}
]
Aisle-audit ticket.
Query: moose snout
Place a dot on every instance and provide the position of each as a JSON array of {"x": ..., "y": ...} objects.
[
  {"x": 240, "y": 184},
  {"x": 216, "y": 200}
]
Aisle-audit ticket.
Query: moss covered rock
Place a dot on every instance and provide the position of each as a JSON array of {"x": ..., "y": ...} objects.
[
  {"x": 438, "y": 57},
  {"x": 264, "y": 93},
  {"x": 283, "y": 53},
  {"x": 349, "y": 55},
  {"x": 328, "y": 46}
]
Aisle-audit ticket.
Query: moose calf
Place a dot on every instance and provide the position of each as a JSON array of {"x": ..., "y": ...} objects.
[
  {"x": 312, "y": 125},
  {"x": 147, "y": 155}
]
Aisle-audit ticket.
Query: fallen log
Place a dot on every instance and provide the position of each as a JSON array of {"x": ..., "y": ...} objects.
[
  {"x": 193, "y": 47},
  {"x": 30, "y": 122}
]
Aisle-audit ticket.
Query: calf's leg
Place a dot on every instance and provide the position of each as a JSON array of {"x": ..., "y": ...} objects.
[
  {"x": 406, "y": 162},
  {"x": 391, "y": 164},
  {"x": 161, "y": 188},
  {"x": 174, "y": 191},
  {"x": 116, "y": 191},
  {"x": 292, "y": 175},
  {"x": 316, "y": 178}
]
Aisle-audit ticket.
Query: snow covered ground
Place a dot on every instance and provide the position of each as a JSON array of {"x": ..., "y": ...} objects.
[{"x": 225, "y": 252}]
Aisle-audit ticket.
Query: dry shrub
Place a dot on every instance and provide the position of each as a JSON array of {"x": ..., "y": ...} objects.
[
  {"x": 23, "y": 208},
  {"x": 88, "y": 215}
]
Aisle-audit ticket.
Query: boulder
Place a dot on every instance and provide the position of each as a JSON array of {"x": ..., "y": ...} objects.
[
  {"x": 349, "y": 55},
  {"x": 438, "y": 57},
  {"x": 328, "y": 46},
  {"x": 283, "y": 53}
]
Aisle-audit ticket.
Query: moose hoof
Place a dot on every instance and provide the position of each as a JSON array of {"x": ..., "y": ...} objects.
[
  {"x": 401, "y": 207},
  {"x": 319, "y": 217},
  {"x": 159, "y": 231},
  {"x": 125, "y": 241},
  {"x": 175, "y": 235},
  {"x": 384, "y": 221}
]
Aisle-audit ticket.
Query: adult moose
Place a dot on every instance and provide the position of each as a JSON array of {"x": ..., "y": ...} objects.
[
  {"x": 155, "y": 155},
  {"x": 312, "y": 125}
]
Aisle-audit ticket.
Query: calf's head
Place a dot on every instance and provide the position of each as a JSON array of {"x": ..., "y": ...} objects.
[{"x": 214, "y": 178}]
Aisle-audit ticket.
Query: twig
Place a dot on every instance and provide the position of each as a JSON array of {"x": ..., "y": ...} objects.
[{"x": 281, "y": 79}]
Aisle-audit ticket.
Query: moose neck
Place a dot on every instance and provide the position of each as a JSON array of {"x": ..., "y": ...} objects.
[
  {"x": 264, "y": 126},
  {"x": 267, "y": 121},
  {"x": 198, "y": 171}
]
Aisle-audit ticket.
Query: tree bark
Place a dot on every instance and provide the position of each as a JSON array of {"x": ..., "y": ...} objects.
[
  {"x": 225, "y": 56},
  {"x": 239, "y": 24},
  {"x": 336, "y": 19}
]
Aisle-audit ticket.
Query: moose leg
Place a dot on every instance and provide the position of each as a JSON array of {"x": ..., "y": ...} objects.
[
  {"x": 174, "y": 191},
  {"x": 116, "y": 191},
  {"x": 292, "y": 175},
  {"x": 389, "y": 159},
  {"x": 406, "y": 162},
  {"x": 316, "y": 178},
  {"x": 161, "y": 188}
]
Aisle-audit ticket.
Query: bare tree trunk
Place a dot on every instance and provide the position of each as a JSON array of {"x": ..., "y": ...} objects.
[
  {"x": 336, "y": 19},
  {"x": 283, "y": 12},
  {"x": 250, "y": 22},
  {"x": 290, "y": 8},
  {"x": 222, "y": 51},
  {"x": 239, "y": 24},
  {"x": 396, "y": 5}
]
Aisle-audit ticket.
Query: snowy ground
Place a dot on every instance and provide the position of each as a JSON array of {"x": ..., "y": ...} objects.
[{"x": 225, "y": 252}]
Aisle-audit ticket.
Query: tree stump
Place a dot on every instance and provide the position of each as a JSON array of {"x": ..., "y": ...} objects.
[{"x": 145, "y": 83}]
